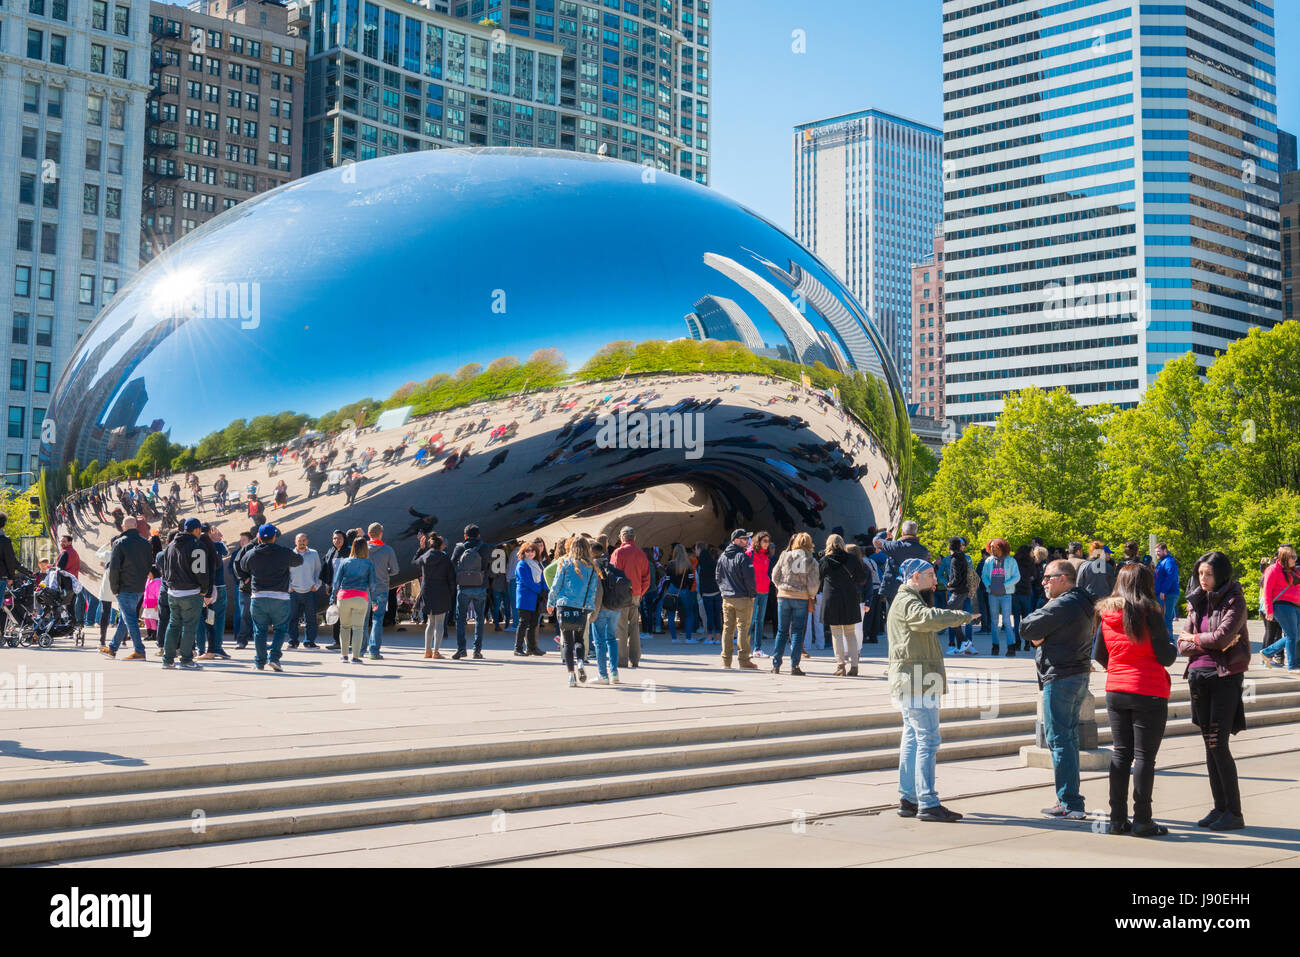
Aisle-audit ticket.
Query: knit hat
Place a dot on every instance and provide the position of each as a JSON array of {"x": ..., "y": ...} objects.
[{"x": 914, "y": 566}]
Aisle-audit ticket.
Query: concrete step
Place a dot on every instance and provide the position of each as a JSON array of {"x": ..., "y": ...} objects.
[
  {"x": 108, "y": 780},
  {"x": 92, "y": 826}
]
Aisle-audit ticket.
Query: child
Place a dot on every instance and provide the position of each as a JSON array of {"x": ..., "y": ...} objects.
[{"x": 149, "y": 607}]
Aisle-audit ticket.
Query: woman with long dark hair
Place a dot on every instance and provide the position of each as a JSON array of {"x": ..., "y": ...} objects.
[
  {"x": 530, "y": 592},
  {"x": 1133, "y": 646},
  {"x": 1217, "y": 647},
  {"x": 959, "y": 574}
]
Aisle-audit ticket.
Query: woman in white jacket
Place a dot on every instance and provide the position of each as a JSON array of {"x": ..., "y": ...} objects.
[
  {"x": 106, "y": 596},
  {"x": 1000, "y": 574}
]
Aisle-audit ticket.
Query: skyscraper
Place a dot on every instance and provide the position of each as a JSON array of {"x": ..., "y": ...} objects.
[
  {"x": 396, "y": 76},
  {"x": 927, "y": 333},
  {"x": 1110, "y": 193},
  {"x": 73, "y": 98},
  {"x": 867, "y": 196},
  {"x": 225, "y": 111}
]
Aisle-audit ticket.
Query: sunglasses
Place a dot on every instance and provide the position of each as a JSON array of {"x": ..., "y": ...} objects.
[{"x": 1057, "y": 575}]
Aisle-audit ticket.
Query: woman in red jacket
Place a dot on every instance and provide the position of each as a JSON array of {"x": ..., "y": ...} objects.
[
  {"x": 1280, "y": 590},
  {"x": 1134, "y": 648},
  {"x": 1217, "y": 647}
]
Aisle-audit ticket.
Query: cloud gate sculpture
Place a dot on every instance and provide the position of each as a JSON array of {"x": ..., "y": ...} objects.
[{"x": 550, "y": 342}]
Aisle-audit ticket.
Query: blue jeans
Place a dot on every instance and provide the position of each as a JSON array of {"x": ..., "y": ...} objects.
[
  {"x": 91, "y": 614},
  {"x": 713, "y": 613},
  {"x": 1062, "y": 699},
  {"x": 268, "y": 614},
  {"x": 1171, "y": 611},
  {"x": 756, "y": 628},
  {"x": 686, "y": 602},
  {"x": 128, "y": 623},
  {"x": 302, "y": 604},
  {"x": 961, "y": 603},
  {"x": 375, "y": 623},
  {"x": 1021, "y": 605},
  {"x": 210, "y": 635},
  {"x": 500, "y": 608},
  {"x": 604, "y": 633},
  {"x": 243, "y": 616},
  {"x": 467, "y": 598},
  {"x": 918, "y": 751},
  {"x": 186, "y": 614},
  {"x": 791, "y": 620},
  {"x": 1000, "y": 618},
  {"x": 1287, "y": 617}
]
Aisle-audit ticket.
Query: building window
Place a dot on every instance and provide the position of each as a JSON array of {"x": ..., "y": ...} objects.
[
  {"x": 41, "y": 381},
  {"x": 45, "y": 284},
  {"x": 38, "y": 417},
  {"x": 18, "y": 375},
  {"x": 17, "y": 421},
  {"x": 45, "y": 330},
  {"x": 86, "y": 292},
  {"x": 25, "y": 233},
  {"x": 23, "y": 281},
  {"x": 20, "y": 328},
  {"x": 14, "y": 469}
]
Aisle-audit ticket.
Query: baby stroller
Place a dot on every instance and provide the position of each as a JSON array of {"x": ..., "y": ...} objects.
[{"x": 40, "y": 610}]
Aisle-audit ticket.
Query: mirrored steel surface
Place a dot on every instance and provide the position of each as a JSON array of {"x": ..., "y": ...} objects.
[{"x": 370, "y": 280}]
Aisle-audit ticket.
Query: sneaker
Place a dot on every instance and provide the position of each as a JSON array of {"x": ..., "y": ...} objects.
[
  {"x": 293, "y": 644},
  {"x": 853, "y": 671},
  {"x": 343, "y": 658},
  {"x": 1210, "y": 818},
  {"x": 967, "y": 648},
  {"x": 906, "y": 808},
  {"x": 221, "y": 654},
  {"x": 376, "y": 656},
  {"x": 310, "y": 644},
  {"x": 582, "y": 674},
  {"x": 794, "y": 670},
  {"x": 208, "y": 656},
  {"x": 108, "y": 652},
  {"x": 994, "y": 650},
  {"x": 939, "y": 813},
  {"x": 358, "y": 660},
  {"x": 1076, "y": 815},
  {"x": 191, "y": 666},
  {"x": 135, "y": 656},
  {"x": 275, "y": 666},
  {"x": 573, "y": 680},
  {"x": 613, "y": 678},
  {"x": 169, "y": 665},
  {"x": 758, "y": 654},
  {"x": 1056, "y": 810},
  {"x": 458, "y": 655},
  {"x": 261, "y": 667},
  {"x": 478, "y": 656},
  {"x": 334, "y": 646},
  {"x": 601, "y": 681},
  {"x": 1227, "y": 821}
]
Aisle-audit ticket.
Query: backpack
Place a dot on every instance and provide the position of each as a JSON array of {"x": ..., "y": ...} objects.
[
  {"x": 469, "y": 569},
  {"x": 618, "y": 588}
]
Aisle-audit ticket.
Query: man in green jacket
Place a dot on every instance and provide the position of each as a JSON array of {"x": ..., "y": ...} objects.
[{"x": 917, "y": 682}]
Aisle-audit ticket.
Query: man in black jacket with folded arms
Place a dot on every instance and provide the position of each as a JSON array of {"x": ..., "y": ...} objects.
[
  {"x": 187, "y": 571},
  {"x": 1061, "y": 633}
]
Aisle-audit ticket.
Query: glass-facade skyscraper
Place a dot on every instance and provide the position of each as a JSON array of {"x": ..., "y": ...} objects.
[
  {"x": 867, "y": 197},
  {"x": 1110, "y": 192},
  {"x": 626, "y": 78}
]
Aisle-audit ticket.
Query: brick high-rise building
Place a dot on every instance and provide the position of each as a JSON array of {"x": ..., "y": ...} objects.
[
  {"x": 1289, "y": 216},
  {"x": 225, "y": 111},
  {"x": 926, "y": 385}
]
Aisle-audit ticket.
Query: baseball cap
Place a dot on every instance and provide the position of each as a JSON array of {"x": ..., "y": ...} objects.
[
  {"x": 268, "y": 531},
  {"x": 739, "y": 533},
  {"x": 192, "y": 523},
  {"x": 913, "y": 566}
]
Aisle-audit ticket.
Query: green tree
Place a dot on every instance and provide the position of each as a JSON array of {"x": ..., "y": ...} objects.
[
  {"x": 953, "y": 504},
  {"x": 924, "y": 467},
  {"x": 1148, "y": 482}
]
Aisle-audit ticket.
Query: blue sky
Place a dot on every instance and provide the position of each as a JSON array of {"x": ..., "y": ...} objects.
[{"x": 860, "y": 54}]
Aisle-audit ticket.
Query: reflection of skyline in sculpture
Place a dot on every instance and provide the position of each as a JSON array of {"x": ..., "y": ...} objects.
[
  {"x": 716, "y": 317},
  {"x": 446, "y": 229},
  {"x": 805, "y": 345}
]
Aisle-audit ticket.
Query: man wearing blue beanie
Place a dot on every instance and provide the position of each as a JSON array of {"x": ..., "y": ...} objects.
[{"x": 917, "y": 683}]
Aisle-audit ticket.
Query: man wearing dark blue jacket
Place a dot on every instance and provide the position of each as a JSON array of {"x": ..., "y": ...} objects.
[
  {"x": 187, "y": 572},
  {"x": 267, "y": 565},
  {"x": 737, "y": 585},
  {"x": 1061, "y": 633}
]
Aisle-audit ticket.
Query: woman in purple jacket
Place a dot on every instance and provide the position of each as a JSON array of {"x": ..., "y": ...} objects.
[{"x": 1217, "y": 647}]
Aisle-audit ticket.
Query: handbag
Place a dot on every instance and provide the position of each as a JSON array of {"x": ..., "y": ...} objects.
[
  {"x": 672, "y": 599},
  {"x": 572, "y": 619},
  {"x": 332, "y": 614}
]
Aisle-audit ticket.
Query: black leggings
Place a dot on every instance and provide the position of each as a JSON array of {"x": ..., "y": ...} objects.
[
  {"x": 1137, "y": 726},
  {"x": 526, "y": 630},
  {"x": 573, "y": 653},
  {"x": 1214, "y": 707},
  {"x": 105, "y": 608}
]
